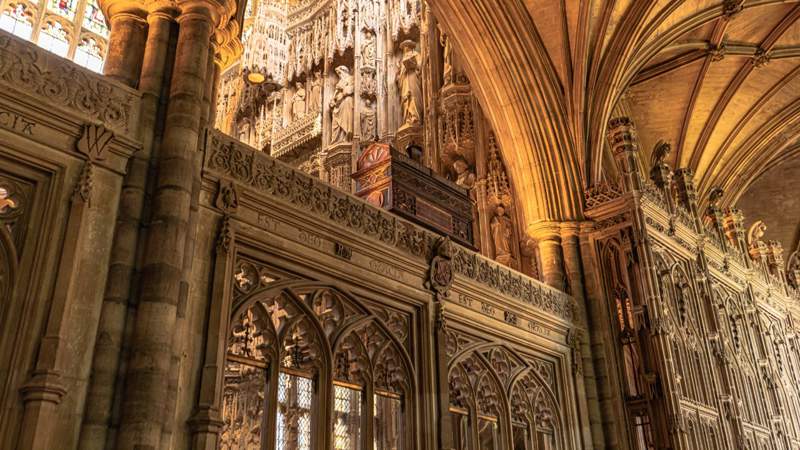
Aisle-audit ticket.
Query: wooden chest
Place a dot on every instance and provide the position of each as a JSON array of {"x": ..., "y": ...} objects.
[{"x": 393, "y": 181}]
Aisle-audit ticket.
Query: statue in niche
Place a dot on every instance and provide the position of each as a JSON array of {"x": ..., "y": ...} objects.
[
  {"x": 408, "y": 81},
  {"x": 315, "y": 94},
  {"x": 342, "y": 107},
  {"x": 502, "y": 235},
  {"x": 299, "y": 101},
  {"x": 369, "y": 124},
  {"x": 447, "y": 56},
  {"x": 464, "y": 177},
  {"x": 368, "y": 49}
]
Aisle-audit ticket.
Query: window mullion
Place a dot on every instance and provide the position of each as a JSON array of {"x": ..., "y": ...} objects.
[
  {"x": 368, "y": 418},
  {"x": 270, "y": 415}
]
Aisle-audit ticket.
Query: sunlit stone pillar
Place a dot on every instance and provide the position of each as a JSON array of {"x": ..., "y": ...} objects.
[
  {"x": 548, "y": 238},
  {"x": 151, "y": 347},
  {"x": 116, "y": 301},
  {"x": 126, "y": 42}
]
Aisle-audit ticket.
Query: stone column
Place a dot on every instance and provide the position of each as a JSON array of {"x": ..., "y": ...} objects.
[
  {"x": 126, "y": 43},
  {"x": 548, "y": 238},
  {"x": 105, "y": 366},
  {"x": 151, "y": 345}
]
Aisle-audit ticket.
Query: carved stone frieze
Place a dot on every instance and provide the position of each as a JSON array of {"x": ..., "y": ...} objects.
[{"x": 24, "y": 67}]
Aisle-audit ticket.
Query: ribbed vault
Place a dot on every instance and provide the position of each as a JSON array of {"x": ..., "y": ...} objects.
[{"x": 718, "y": 79}]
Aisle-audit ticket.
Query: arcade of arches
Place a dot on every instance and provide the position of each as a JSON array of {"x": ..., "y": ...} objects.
[{"x": 399, "y": 224}]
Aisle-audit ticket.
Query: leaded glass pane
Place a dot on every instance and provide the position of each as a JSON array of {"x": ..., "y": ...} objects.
[
  {"x": 17, "y": 21},
  {"x": 242, "y": 407},
  {"x": 487, "y": 434},
  {"x": 54, "y": 38},
  {"x": 522, "y": 439},
  {"x": 388, "y": 422},
  {"x": 347, "y": 418},
  {"x": 460, "y": 424},
  {"x": 89, "y": 55},
  {"x": 295, "y": 398},
  {"x": 64, "y": 8},
  {"x": 93, "y": 19}
]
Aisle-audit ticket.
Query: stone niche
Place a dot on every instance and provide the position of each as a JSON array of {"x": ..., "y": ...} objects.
[{"x": 391, "y": 180}]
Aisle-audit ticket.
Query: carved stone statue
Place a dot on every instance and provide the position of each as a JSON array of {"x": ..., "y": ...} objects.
[
  {"x": 502, "y": 235},
  {"x": 660, "y": 153},
  {"x": 315, "y": 93},
  {"x": 408, "y": 80},
  {"x": 299, "y": 101},
  {"x": 447, "y": 56},
  {"x": 342, "y": 107},
  {"x": 368, "y": 48},
  {"x": 756, "y": 233},
  {"x": 464, "y": 177}
]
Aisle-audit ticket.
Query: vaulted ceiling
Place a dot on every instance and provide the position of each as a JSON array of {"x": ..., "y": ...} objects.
[{"x": 718, "y": 79}]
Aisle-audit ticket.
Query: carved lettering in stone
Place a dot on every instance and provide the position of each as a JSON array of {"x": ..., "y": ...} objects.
[
  {"x": 17, "y": 123},
  {"x": 266, "y": 223},
  {"x": 465, "y": 300},
  {"x": 385, "y": 269},
  {"x": 311, "y": 239},
  {"x": 342, "y": 251}
]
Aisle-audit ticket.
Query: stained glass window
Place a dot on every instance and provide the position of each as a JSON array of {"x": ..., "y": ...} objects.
[
  {"x": 17, "y": 20},
  {"x": 66, "y": 8},
  {"x": 93, "y": 19},
  {"x": 74, "y": 29}
]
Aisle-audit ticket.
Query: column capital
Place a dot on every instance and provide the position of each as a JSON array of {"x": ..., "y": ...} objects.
[
  {"x": 545, "y": 231},
  {"x": 118, "y": 9}
]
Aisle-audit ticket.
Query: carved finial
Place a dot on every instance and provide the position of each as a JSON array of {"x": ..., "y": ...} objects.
[
  {"x": 225, "y": 236},
  {"x": 83, "y": 188}
]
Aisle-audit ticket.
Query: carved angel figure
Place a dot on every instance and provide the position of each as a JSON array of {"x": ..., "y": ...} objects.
[
  {"x": 756, "y": 232},
  {"x": 660, "y": 153},
  {"x": 342, "y": 107},
  {"x": 409, "y": 83}
]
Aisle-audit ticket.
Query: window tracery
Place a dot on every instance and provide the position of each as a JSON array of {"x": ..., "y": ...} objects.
[
  {"x": 500, "y": 399},
  {"x": 73, "y": 29},
  {"x": 295, "y": 335}
]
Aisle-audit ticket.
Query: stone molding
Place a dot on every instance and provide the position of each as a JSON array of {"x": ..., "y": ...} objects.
[{"x": 250, "y": 168}]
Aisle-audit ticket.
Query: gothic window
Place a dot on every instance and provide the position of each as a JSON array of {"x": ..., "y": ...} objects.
[
  {"x": 74, "y": 29},
  {"x": 479, "y": 382},
  {"x": 291, "y": 336}
]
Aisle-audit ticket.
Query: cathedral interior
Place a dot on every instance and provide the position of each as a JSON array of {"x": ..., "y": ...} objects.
[{"x": 400, "y": 224}]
